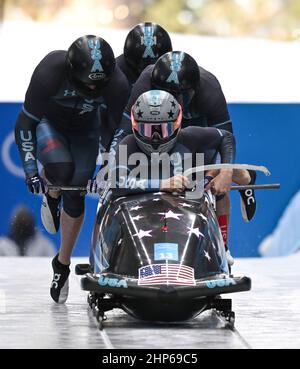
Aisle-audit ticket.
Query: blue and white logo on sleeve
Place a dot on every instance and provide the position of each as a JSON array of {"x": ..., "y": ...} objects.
[{"x": 166, "y": 251}]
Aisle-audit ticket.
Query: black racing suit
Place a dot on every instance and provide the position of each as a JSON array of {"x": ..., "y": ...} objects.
[
  {"x": 191, "y": 141},
  {"x": 131, "y": 74},
  {"x": 61, "y": 128},
  {"x": 206, "y": 108}
]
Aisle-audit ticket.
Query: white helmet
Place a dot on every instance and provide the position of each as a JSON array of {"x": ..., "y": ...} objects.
[{"x": 156, "y": 120}]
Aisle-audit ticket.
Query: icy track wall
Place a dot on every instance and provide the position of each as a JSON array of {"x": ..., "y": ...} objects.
[{"x": 267, "y": 134}]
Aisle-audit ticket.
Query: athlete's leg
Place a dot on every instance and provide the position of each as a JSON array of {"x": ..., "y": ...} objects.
[
  {"x": 70, "y": 229},
  {"x": 223, "y": 206},
  {"x": 248, "y": 201},
  {"x": 241, "y": 176},
  {"x": 58, "y": 168},
  {"x": 84, "y": 151}
]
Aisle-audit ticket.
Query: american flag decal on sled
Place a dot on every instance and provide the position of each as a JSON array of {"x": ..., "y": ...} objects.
[{"x": 177, "y": 274}]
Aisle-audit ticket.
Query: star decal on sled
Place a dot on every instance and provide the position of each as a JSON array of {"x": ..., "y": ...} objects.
[
  {"x": 138, "y": 217},
  {"x": 195, "y": 231},
  {"x": 136, "y": 207},
  {"x": 185, "y": 205},
  {"x": 141, "y": 234},
  {"x": 170, "y": 214},
  {"x": 202, "y": 217},
  {"x": 120, "y": 198},
  {"x": 206, "y": 254},
  {"x": 117, "y": 211}
]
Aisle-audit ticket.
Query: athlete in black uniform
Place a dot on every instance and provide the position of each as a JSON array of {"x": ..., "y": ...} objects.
[
  {"x": 144, "y": 44},
  {"x": 201, "y": 96},
  {"x": 156, "y": 120},
  {"x": 197, "y": 90},
  {"x": 59, "y": 125}
]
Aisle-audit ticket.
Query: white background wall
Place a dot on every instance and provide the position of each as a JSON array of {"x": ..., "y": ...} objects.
[{"x": 249, "y": 70}]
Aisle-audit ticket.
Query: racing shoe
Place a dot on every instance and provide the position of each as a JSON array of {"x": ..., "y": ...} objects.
[
  {"x": 248, "y": 201},
  {"x": 50, "y": 213},
  {"x": 230, "y": 259},
  {"x": 59, "y": 289}
]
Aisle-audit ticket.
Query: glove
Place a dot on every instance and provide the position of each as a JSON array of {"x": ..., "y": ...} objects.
[
  {"x": 92, "y": 186},
  {"x": 36, "y": 184},
  {"x": 96, "y": 186},
  {"x": 207, "y": 179}
]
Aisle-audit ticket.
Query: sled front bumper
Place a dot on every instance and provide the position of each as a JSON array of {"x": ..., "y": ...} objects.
[{"x": 125, "y": 287}]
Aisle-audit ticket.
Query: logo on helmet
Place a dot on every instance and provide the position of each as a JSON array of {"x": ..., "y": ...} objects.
[
  {"x": 96, "y": 55},
  {"x": 97, "y": 76},
  {"x": 148, "y": 40},
  {"x": 175, "y": 67}
]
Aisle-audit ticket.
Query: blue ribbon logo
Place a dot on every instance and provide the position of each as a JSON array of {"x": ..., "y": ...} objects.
[
  {"x": 96, "y": 55},
  {"x": 148, "y": 40},
  {"x": 175, "y": 67}
]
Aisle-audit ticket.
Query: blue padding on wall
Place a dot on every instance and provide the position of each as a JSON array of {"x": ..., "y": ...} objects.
[{"x": 267, "y": 134}]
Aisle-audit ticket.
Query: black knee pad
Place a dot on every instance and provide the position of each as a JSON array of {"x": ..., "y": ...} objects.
[
  {"x": 73, "y": 203},
  {"x": 59, "y": 174}
]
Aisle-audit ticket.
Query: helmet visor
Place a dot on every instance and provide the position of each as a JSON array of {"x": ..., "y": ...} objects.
[{"x": 161, "y": 130}]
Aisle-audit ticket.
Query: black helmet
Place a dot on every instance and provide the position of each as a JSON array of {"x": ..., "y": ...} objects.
[
  {"x": 90, "y": 62},
  {"x": 144, "y": 44},
  {"x": 156, "y": 121},
  {"x": 176, "y": 72}
]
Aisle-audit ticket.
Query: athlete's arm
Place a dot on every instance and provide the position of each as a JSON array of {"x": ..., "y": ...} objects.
[
  {"x": 25, "y": 136},
  {"x": 27, "y": 121},
  {"x": 116, "y": 96},
  {"x": 40, "y": 89},
  {"x": 227, "y": 149},
  {"x": 213, "y": 102},
  {"x": 125, "y": 177},
  {"x": 199, "y": 140}
]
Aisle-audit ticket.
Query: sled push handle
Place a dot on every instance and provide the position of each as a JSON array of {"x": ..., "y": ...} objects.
[
  {"x": 190, "y": 171},
  {"x": 257, "y": 168},
  {"x": 271, "y": 186},
  {"x": 204, "y": 168},
  {"x": 66, "y": 188},
  {"x": 103, "y": 193}
]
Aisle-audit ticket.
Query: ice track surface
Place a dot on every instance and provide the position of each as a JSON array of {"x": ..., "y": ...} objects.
[{"x": 266, "y": 317}]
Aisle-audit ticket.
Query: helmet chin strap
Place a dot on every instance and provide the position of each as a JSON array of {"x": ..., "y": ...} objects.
[
  {"x": 163, "y": 148},
  {"x": 156, "y": 136}
]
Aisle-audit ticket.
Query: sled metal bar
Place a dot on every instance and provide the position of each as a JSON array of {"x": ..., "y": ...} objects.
[
  {"x": 66, "y": 188},
  {"x": 104, "y": 189},
  {"x": 271, "y": 186},
  {"x": 203, "y": 168}
]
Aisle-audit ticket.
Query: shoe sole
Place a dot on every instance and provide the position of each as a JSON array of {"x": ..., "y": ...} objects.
[
  {"x": 64, "y": 293},
  {"x": 244, "y": 211},
  {"x": 47, "y": 218}
]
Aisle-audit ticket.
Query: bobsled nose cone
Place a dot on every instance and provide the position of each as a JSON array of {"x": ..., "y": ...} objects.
[{"x": 167, "y": 293}]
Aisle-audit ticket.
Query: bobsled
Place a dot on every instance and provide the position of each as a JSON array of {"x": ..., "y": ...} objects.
[{"x": 159, "y": 257}]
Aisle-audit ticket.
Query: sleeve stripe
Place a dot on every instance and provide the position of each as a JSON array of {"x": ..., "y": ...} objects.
[
  {"x": 30, "y": 115},
  {"x": 220, "y": 124},
  {"x": 127, "y": 115},
  {"x": 220, "y": 132}
]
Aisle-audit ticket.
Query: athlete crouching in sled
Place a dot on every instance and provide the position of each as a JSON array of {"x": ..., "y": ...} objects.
[{"x": 156, "y": 120}]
